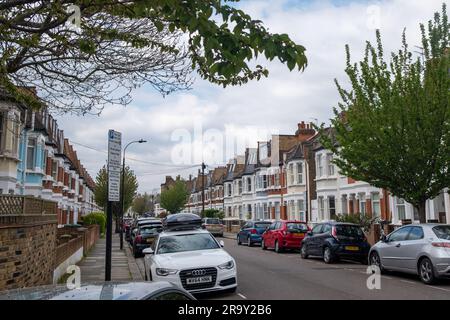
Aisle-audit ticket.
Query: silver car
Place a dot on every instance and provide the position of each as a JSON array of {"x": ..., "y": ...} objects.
[{"x": 421, "y": 249}]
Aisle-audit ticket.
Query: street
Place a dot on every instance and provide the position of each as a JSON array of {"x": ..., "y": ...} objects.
[{"x": 266, "y": 275}]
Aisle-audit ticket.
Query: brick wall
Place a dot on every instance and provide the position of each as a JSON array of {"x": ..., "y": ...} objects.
[{"x": 27, "y": 251}]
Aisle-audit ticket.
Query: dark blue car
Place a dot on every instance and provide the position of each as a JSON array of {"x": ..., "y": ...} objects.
[{"x": 251, "y": 232}]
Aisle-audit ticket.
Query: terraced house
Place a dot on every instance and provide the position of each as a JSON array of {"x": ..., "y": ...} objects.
[
  {"x": 36, "y": 160},
  {"x": 293, "y": 177}
]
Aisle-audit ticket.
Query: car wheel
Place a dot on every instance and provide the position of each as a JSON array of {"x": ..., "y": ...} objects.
[
  {"x": 327, "y": 255},
  {"x": 249, "y": 242},
  {"x": 375, "y": 260},
  {"x": 238, "y": 241},
  {"x": 303, "y": 252},
  {"x": 426, "y": 271},
  {"x": 263, "y": 245},
  {"x": 277, "y": 247}
]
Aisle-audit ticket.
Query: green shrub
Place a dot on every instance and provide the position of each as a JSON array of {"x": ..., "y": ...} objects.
[
  {"x": 365, "y": 221},
  {"x": 96, "y": 218}
]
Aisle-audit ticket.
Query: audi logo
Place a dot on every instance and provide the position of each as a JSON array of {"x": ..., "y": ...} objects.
[{"x": 200, "y": 272}]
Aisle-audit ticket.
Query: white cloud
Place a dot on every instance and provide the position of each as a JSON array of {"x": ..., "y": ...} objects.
[{"x": 275, "y": 104}]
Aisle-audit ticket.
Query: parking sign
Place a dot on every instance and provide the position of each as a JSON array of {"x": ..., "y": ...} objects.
[{"x": 114, "y": 164}]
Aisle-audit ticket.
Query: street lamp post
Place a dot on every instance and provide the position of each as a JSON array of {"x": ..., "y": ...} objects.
[{"x": 122, "y": 190}]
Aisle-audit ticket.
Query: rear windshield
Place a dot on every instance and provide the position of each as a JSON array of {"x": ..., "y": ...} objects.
[
  {"x": 213, "y": 221},
  {"x": 263, "y": 225},
  {"x": 442, "y": 232},
  {"x": 349, "y": 231},
  {"x": 151, "y": 229},
  {"x": 297, "y": 227}
]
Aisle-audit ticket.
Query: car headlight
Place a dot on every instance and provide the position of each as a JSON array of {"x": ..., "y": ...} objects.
[
  {"x": 165, "y": 272},
  {"x": 227, "y": 265}
]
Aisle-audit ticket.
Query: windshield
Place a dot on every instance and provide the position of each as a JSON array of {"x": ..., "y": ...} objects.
[
  {"x": 297, "y": 227},
  {"x": 186, "y": 242},
  {"x": 213, "y": 221},
  {"x": 349, "y": 231},
  {"x": 442, "y": 232}
]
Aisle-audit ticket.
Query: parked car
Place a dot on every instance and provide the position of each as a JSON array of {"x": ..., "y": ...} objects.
[
  {"x": 190, "y": 257},
  {"x": 282, "y": 235},
  {"x": 251, "y": 232},
  {"x": 140, "y": 222},
  {"x": 145, "y": 236},
  {"x": 126, "y": 227},
  {"x": 420, "y": 249},
  {"x": 213, "y": 225},
  {"x": 336, "y": 240},
  {"x": 101, "y": 291}
]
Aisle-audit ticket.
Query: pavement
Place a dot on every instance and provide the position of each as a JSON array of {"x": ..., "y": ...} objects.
[{"x": 123, "y": 265}]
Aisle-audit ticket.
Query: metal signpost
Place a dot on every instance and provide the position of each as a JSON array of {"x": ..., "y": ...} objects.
[{"x": 114, "y": 165}]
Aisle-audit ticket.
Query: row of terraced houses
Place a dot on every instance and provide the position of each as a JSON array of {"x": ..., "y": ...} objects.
[
  {"x": 37, "y": 160},
  {"x": 294, "y": 177}
]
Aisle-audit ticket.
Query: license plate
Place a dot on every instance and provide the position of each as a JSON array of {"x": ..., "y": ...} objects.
[
  {"x": 149, "y": 240},
  {"x": 352, "y": 248},
  {"x": 199, "y": 280},
  {"x": 299, "y": 234}
]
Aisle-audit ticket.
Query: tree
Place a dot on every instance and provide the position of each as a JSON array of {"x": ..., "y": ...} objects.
[
  {"x": 101, "y": 190},
  {"x": 122, "y": 44},
  {"x": 142, "y": 203},
  {"x": 175, "y": 197},
  {"x": 392, "y": 129}
]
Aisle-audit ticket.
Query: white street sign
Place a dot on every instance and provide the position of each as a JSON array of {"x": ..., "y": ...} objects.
[{"x": 114, "y": 164}]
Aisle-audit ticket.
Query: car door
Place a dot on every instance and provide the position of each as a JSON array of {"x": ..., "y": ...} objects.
[
  {"x": 278, "y": 234},
  {"x": 312, "y": 244},
  {"x": 322, "y": 237},
  {"x": 391, "y": 252},
  {"x": 268, "y": 236},
  {"x": 411, "y": 248},
  {"x": 243, "y": 234}
]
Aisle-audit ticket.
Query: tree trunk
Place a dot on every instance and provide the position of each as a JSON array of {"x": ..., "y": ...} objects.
[{"x": 422, "y": 211}]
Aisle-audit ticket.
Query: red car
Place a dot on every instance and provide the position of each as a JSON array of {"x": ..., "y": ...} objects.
[{"x": 282, "y": 235}]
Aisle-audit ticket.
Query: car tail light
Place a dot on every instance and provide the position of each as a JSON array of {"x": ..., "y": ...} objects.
[
  {"x": 253, "y": 231},
  {"x": 441, "y": 244},
  {"x": 334, "y": 233},
  {"x": 138, "y": 239}
]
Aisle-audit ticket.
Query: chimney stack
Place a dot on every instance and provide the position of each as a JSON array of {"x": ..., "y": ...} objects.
[{"x": 305, "y": 131}]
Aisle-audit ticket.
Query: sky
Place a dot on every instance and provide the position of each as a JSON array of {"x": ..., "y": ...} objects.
[{"x": 211, "y": 124}]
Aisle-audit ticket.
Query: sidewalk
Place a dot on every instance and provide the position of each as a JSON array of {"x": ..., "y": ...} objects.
[{"x": 123, "y": 265}]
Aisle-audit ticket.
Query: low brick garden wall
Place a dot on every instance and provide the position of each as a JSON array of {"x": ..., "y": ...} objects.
[{"x": 27, "y": 251}]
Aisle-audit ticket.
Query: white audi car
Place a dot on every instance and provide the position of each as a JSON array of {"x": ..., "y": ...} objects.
[{"x": 192, "y": 259}]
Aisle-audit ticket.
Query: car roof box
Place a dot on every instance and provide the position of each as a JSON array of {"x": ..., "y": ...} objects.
[{"x": 182, "y": 221}]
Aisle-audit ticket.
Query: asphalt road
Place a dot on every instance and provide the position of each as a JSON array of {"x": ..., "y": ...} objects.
[{"x": 266, "y": 275}]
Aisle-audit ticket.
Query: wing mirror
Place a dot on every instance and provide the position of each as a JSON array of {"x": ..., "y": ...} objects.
[
  {"x": 147, "y": 251},
  {"x": 309, "y": 234},
  {"x": 222, "y": 244},
  {"x": 383, "y": 238}
]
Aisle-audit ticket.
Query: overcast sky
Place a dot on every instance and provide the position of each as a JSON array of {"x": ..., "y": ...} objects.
[{"x": 232, "y": 118}]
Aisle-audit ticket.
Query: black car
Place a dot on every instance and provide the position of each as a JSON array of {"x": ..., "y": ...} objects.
[
  {"x": 336, "y": 240},
  {"x": 145, "y": 235}
]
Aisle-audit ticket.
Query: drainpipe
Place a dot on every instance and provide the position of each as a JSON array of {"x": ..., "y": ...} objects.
[{"x": 25, "y": 149}]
